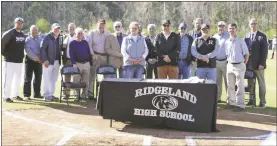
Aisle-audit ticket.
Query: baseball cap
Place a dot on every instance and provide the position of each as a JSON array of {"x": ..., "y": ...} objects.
[
  {"x": 205, "y": 26},
  {"x": 183, "y": 25},
  {"x": 102, "y": 21},
  {"x": 221, "y": 23},
  {"x": 166, "y": 22},
  {"x": 253, "y": 21},
  {"x": 56, "y": 25},
  {"x": 18, "y": 19}
]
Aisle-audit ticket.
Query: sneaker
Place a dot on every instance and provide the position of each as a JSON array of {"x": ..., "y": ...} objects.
[
  {"x": 8, "y": 100},
  {"x": 38, "y": 96},
  {"x": 27, "y": 98},
  {"x": 18, "y": 98},
  {"x": 55, "y": 98},
  {"x": 251, "y": 103},
  {"x": 238, "y": 109},
  {"x": 261, "y": 105},
  {"x": 48, "y": 99}
]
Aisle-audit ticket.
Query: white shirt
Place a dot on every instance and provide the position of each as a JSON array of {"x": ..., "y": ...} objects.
[
  {"x": 253, "y": 35},
  {"x": 166, "y": 36},
  {"x": 67, "y": 41}
]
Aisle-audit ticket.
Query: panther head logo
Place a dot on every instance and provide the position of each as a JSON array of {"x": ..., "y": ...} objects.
[{"x": 164, "y": 102}]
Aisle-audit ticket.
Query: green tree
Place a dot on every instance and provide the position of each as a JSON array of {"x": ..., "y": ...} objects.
[{"x": 43, "y": 25}]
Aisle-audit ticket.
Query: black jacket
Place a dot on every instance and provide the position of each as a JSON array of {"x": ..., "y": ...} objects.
[
  {"x": 258, "y": 50},
  {"x": 151, "y": 48},
  {"x": 12, "y": 46},
  {"x": 170, "y": 47}
]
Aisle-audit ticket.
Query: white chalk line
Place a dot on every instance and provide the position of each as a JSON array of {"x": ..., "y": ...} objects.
[
  {"x": 147, "y": 140},
  {"x": 66, "y": 138},
  {"x": 189, "y": 139}
]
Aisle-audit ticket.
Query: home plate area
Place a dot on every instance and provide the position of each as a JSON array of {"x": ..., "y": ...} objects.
[{"x": 81, "y": 125}]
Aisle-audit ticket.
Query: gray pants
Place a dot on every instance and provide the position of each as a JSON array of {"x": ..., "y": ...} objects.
[
  {"x": 193, "y": 68},
  {"x": 67, "y": 78},
  {"x": 221, "y": 67},
  {"x": 235, "y": 76},
  {"x": 96, "y": 63},
  {"x": 261, "y": 81},
  {"x": 85, "y": 71}
]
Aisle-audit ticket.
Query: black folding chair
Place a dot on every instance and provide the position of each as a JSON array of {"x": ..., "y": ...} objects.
[
  {"x": 68, "y": 86},
  {"x": 107, "y": 71}
]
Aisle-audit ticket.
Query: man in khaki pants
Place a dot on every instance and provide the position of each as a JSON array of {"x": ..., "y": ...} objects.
[
  {"x": 96, "y": 41},
  {"x": 237, "y": 56}
]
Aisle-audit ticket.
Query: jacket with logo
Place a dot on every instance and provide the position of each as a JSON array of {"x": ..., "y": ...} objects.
[{"x": 12, "y": 46}]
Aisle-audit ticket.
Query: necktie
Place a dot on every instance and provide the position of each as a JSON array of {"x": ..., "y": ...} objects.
[{"x": 252, "y": 37}]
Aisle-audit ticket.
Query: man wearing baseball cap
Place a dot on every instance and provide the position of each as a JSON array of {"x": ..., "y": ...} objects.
[
  {"x": 96, "y": 41},
  {"x": 185, "y": 57},
  {"x": 221, "y": 59},
  {"x": 205, "y": 48},
  {"x": 51, "y": 59},
  {"x": 12, "y": 48},
  {"x": 168, "y": 46},
  {"x": 256, "y": 42}
]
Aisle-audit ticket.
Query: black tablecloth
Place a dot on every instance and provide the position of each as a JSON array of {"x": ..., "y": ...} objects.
[{"x": 184, "y": 106}]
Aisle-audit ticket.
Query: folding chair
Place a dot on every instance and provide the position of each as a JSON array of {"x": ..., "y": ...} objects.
[
  {"x": 107, "y": 71},
  {"x": 67, "y": 86}
]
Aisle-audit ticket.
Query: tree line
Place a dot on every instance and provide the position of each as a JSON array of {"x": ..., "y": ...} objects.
[{"x": 86, "y": 14}]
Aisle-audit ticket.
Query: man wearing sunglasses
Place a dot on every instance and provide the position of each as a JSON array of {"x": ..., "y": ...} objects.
[
  {"x": 221, "y": 59},
  {"x": 168, "y": 46},
  {"x": 185, "y": 57},
  {"x": 12, "y": 48},
  {"x": 205, "y": 48},
  {"x": 113, "y": 45},
  {"x": 256, "y": 42}
]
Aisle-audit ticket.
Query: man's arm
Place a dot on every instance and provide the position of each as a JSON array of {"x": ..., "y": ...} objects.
[
  {"x": 28, "y": 50},
  {"x": 43, "y": 49},
  {"x": 72, "y": 53},
  {"x": 90, "y": 43},
  {"x": 145, "y": 51},
  {"x": 6, "y": 38},
  {"x": 175, "y": 52},
  {"x": 245, "y": 51},
  {"x": 157, "y": 47},
  {"x": 214, "y": 52},
  {"x": 264, "y": 51},
  {"x": 124, "y": 51}
]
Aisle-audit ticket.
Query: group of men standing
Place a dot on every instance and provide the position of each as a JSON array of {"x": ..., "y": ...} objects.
[{"x": 166, "y": 55}]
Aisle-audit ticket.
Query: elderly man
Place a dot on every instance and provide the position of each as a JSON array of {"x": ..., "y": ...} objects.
[
  {"x": 221, "y": 60},
  {"x": 185, "y": 56},
  {"x": 168, "y": 46},
  {"x": 151, "y": 57},
  {"x": 197, "y": 22},
  {"x": 256, "y": 42},
  {"x": 80, "y": 57},
  {"x": 32, "y": 64},
  {"x": 66, "y": 55},
  {"x": 237, "y": 56},
  {"x": 12, "y": 48},
  {"x": 113, "y": 45},
  {"x": 51, "y": 58},
  {"x": 96, "y": 41}
]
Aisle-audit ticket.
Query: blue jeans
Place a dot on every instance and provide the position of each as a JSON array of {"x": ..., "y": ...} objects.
[
  {"x": 133, "y": 71},
  {"x": 209, "y": 73},
  {"x": 184, "y": 69}
]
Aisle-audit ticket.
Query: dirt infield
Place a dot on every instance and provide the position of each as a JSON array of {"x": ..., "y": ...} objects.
[{"x": 81, "y": 125}]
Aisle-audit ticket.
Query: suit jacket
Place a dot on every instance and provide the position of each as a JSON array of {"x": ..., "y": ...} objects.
[
  {"x": 112, "y": 48},
  {"x": 258, "y": 50}
]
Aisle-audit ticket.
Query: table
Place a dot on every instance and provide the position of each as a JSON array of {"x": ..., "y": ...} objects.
[{"x": 165, "y": 103}]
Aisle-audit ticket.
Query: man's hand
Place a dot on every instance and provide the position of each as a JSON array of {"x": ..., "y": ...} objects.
[
  {"x": 37, "y": 59},
  {"x": 46, "y": 64},
  {"x": 204, "y": 59},
  {"x": 95, "y": 57},
  {"x": 261, "y": 67},
  {"x": 154, "y": 60},
  {"x": 131, "y": 60},
  {"x": 166, "y": 58},
  {"x": 75, "y": 66}
]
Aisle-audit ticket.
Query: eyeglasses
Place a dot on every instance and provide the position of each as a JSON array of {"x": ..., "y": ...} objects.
[
  {"x": 135, "y": 28},
  {"x": 117, "y": 26},
  {"x": 183, "y": 28},
  {"x": 232, "y": 28},
  {"x": 166, "y": 25}
]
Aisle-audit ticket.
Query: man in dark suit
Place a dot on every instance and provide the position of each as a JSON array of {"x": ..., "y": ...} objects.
[{"x": 257, "y": 45}]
